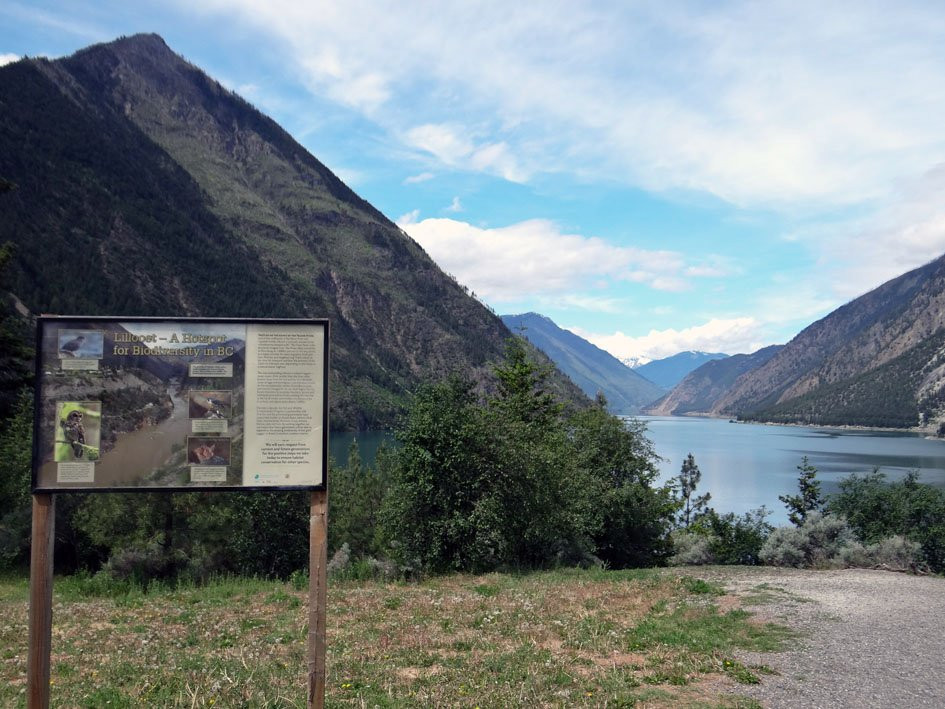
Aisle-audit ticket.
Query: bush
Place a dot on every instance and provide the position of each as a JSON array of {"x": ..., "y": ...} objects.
[
  {"x": 512, "y": 483},
  {"x": 877, "y": 509},
  {"x": 16, "y": 436},
  {"x": 817, "y": 543},
  {"x": 141, "y": 565},
  {"x": 896, "y": 553},
  {"x": 733, "y": 539},
  {"x": 355, "y": 502},
  {"x": 629, "y": 515},
  {"x": 691, "y": 548}
]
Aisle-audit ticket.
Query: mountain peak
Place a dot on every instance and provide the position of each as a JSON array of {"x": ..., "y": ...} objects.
[
  {"x": 136, "y": 46},
  {"x": 162, "y": 193}
]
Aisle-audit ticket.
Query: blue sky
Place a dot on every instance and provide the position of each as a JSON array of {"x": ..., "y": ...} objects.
[{"x": 654, "y": 176}]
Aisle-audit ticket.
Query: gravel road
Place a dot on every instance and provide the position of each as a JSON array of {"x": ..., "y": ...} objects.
[{"x": 871, "y": 638}]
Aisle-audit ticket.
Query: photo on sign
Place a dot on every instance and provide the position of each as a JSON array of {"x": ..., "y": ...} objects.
[
  {"x": 209, "y": 404},
  {"x": 78, "y": 431},
  {"x": 149, "y": 403},
  {"x": 208, "y": 451},
  {"x": 81, "y": 344}
]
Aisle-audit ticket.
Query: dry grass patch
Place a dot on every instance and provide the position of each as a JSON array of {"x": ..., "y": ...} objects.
[{"x": 566, "y": 638}]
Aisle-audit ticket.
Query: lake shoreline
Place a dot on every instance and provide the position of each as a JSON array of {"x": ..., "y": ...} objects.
[{"x": 927, "y": 432}]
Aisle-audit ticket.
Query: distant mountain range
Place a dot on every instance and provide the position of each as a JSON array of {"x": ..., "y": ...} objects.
[
  {"x": 877, "y": 361},
  {"x": 668, "y": 372},
  {"x": 635, "y": 362},
  {"x": 588, "y": 366},
  {"x": 144, "y": 187},
  {"x": 699, "y": 390}
]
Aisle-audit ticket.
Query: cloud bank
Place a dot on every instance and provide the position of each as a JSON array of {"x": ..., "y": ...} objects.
[
  {"x": 731, "y": 336},
  {"x": 535, "y": 258}
]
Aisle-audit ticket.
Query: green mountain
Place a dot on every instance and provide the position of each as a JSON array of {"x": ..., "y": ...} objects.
[
  {"x": 669, "y": 371},
  {"x": 144, "y": 187},
  {"x": 588, "y": 366},
  {"x": 877, "y": 361},
  {"x": 699, "y": 390}
]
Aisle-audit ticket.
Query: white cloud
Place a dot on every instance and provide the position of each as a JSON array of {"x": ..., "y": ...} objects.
[
  {"x": 411, "y": 217},
  {"x": 904, "y": 235},
  {"x": 778, "y": 104},
  {"x": 535, "y": 258},
  {"x": 456, "y": 147},
  {"x": 8, "y": 58},
  {"x": 455, "y": 206},
  {"x": 447, "y": 143},
  {"x": 422, "y": 177},
  {"x": 579, "y": 301},
  {"x": 732, "y": 336}
]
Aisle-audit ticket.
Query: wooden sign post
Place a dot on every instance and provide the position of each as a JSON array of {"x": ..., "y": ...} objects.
[
  {"x": 41, "y": 582},
  {"x": 244, "y": 404},
  {"x": 317, "y": 598}
]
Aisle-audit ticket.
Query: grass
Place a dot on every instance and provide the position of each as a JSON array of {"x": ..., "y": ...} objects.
[{"x": 559, "y": 638}]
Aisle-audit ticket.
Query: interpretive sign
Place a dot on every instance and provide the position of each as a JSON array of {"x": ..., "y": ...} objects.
[{"x": 183, "y": 404}]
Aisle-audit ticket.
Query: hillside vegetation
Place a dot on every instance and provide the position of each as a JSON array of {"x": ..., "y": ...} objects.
[
  {"x": 143, "y": 187},
  {"x": 588, "y": 366},
  {"x": 886, "y": 343},
  {"x": 877, "y": 361}
]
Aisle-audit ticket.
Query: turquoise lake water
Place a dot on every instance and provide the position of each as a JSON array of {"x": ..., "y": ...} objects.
[{"x": 748, "y": 465}]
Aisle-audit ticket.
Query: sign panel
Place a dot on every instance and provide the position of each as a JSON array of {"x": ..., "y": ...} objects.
[{"x": 183, "y": 404}]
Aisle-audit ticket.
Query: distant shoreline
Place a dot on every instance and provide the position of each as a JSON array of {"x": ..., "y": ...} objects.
[{"x": 928, "y": 432}]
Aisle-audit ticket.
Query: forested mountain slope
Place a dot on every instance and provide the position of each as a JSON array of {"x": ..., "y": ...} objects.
[
  {"x": 699, "y": 391},
  {"x": 143, "y": 187},
  {"x": 588, "y": 366},
  {"x": 877, "y": 360}
]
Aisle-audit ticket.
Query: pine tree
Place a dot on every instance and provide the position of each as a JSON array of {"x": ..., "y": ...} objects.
[
  {"x": 692, "y": 505},
  {"x": 808, "y": 499}
]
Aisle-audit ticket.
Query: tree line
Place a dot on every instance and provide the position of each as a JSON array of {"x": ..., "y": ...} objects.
[{"x": 477, "y": 482}]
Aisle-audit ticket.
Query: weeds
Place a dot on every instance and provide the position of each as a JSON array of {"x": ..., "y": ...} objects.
[{"x": 560, "y": 638}]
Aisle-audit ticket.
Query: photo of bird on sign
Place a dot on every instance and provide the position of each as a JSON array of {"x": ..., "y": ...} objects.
[
  {"x": 206, "y": 404},
  {"x": 81, "y": 344},
  {"x": 78, "y": 431}
]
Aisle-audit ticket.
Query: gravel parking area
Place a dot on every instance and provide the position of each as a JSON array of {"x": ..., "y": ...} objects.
[{"x": 870, "y": 638}]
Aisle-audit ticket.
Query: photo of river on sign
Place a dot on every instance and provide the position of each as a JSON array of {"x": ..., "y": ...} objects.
[{"x": 138, "y": 392}]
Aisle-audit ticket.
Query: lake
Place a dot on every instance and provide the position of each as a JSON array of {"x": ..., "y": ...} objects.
[{"x": 745, "y": 465}]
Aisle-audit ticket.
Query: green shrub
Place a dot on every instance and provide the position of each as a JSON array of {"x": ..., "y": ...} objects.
[
  {"x": 512, "y": 482},
  {"x": 877, "y": 509},
  {"x": 896, "y": 553},
  {"x": 691, "y": 549},
  {"x": 734, "y": 539},
  {"x": 818, "y": 542}
]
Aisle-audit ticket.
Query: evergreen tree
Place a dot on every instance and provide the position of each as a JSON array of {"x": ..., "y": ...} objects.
[
  {"x": 808, "y": 498},
  {"x": 692, "y": 505}
]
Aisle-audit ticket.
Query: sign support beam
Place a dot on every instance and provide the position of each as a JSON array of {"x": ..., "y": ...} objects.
[
  {"x": 317, "y": 598},
  {"x": 41, "y": 584}
]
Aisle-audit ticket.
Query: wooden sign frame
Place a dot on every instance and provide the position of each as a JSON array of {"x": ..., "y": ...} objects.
[{"x": 44, "y": 503}]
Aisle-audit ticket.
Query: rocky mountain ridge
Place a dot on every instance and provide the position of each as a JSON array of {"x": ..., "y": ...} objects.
[
  {"x": 144, "y": 187},
  {"x": 588, "y": 366},
  {"x": 669, "y": 371},
  {"x": 699, "y": 390},
  {"x": 876, "y": 361}
]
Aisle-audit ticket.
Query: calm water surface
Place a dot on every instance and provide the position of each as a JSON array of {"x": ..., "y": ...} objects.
[{"x": 745, "y": 466}]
